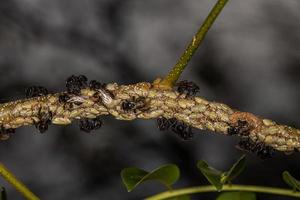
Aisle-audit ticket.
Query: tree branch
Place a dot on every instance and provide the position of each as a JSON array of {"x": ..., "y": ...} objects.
[
  {"x": 147, "y": 101},
  {"x": 18, "y": 185}
]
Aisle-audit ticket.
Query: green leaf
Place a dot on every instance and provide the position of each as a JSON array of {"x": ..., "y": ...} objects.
[
  {"x": 211, "y": 174},
  {"x": 219, "y": 178},
  {"x": 291, "y": 181},
  {"x": 234, "y": 171},
  {"x": 237, "y": 196},
  {"x": 166, "y": 174},
  {"x": 2, "y": 193},
  {"x": 184, "y": 197}
]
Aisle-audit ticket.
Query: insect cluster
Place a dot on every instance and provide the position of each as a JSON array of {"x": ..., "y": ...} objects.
[
  {"x": 179, "y": 128},
  {"x": 260, "y": 149},
  {"x": 242, "y": 128},
  {"x": 74, "y": 85},
  {"x": 45, "y": 116}
]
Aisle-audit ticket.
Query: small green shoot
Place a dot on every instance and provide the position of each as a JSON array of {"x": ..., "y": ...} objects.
[{"x": 166, "y": 174}]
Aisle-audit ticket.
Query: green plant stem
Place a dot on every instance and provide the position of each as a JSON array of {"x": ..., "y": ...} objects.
[
  {"x": 210, "y": 188},
  {"x": 174, "y": 74},
  {"x": 18, "y": 185}
]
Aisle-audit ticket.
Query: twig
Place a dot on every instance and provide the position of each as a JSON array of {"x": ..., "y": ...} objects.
[
  {"x": 149, "y": 102},
  {"x": 210, "y": 188},
  {"x": 17, "y": 184},
  {"x": 174, "y": 74}
]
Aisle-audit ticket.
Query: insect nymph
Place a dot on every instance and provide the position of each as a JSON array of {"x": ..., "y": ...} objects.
[
  {"x": 36, "y": 91},
  {"x": 134, "y": 104},
  {"x": 63, "y": 98},
  {"x": 44, "y": 120},
  {"x": 241, "y": 128},
  {"x": 260, "y": 149},
  {"x": 181, "y": 129},
  {"x": 75, "y": 83},
  {"x": 187, "y": 87},
  {"x": 88, "y": 125}
]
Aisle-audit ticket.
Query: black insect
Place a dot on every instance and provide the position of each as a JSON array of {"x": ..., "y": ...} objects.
[
  {"x": 240, "y": 128},
  {"x": 35, "y": 91},
  {"x": 96, "y": 85},
  {"x": 260, "y": 149},
  {"x": 265, "y": 152},
  {"x": 5, "y": 133},
  {"x": 128, "y": 105},
  {"x": 42, "y": 126},
  {"x": 44, "y": 121},
  {"x": 179, "y": 128},
  {"x": 63, "y": 98},
  {"x": 182, "y": 130},
  {"x": 88, "y": 125},
  {"x": 74, "y": 84},
  {"x": 245, "y": 144},
  {"x": 134, "y": 104},
  {"x": 187, "y": 87},
  {"x": 164, "y": 123}
]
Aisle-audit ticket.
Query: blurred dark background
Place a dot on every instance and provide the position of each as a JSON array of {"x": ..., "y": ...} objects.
[{"x": 249, "y": 60}]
